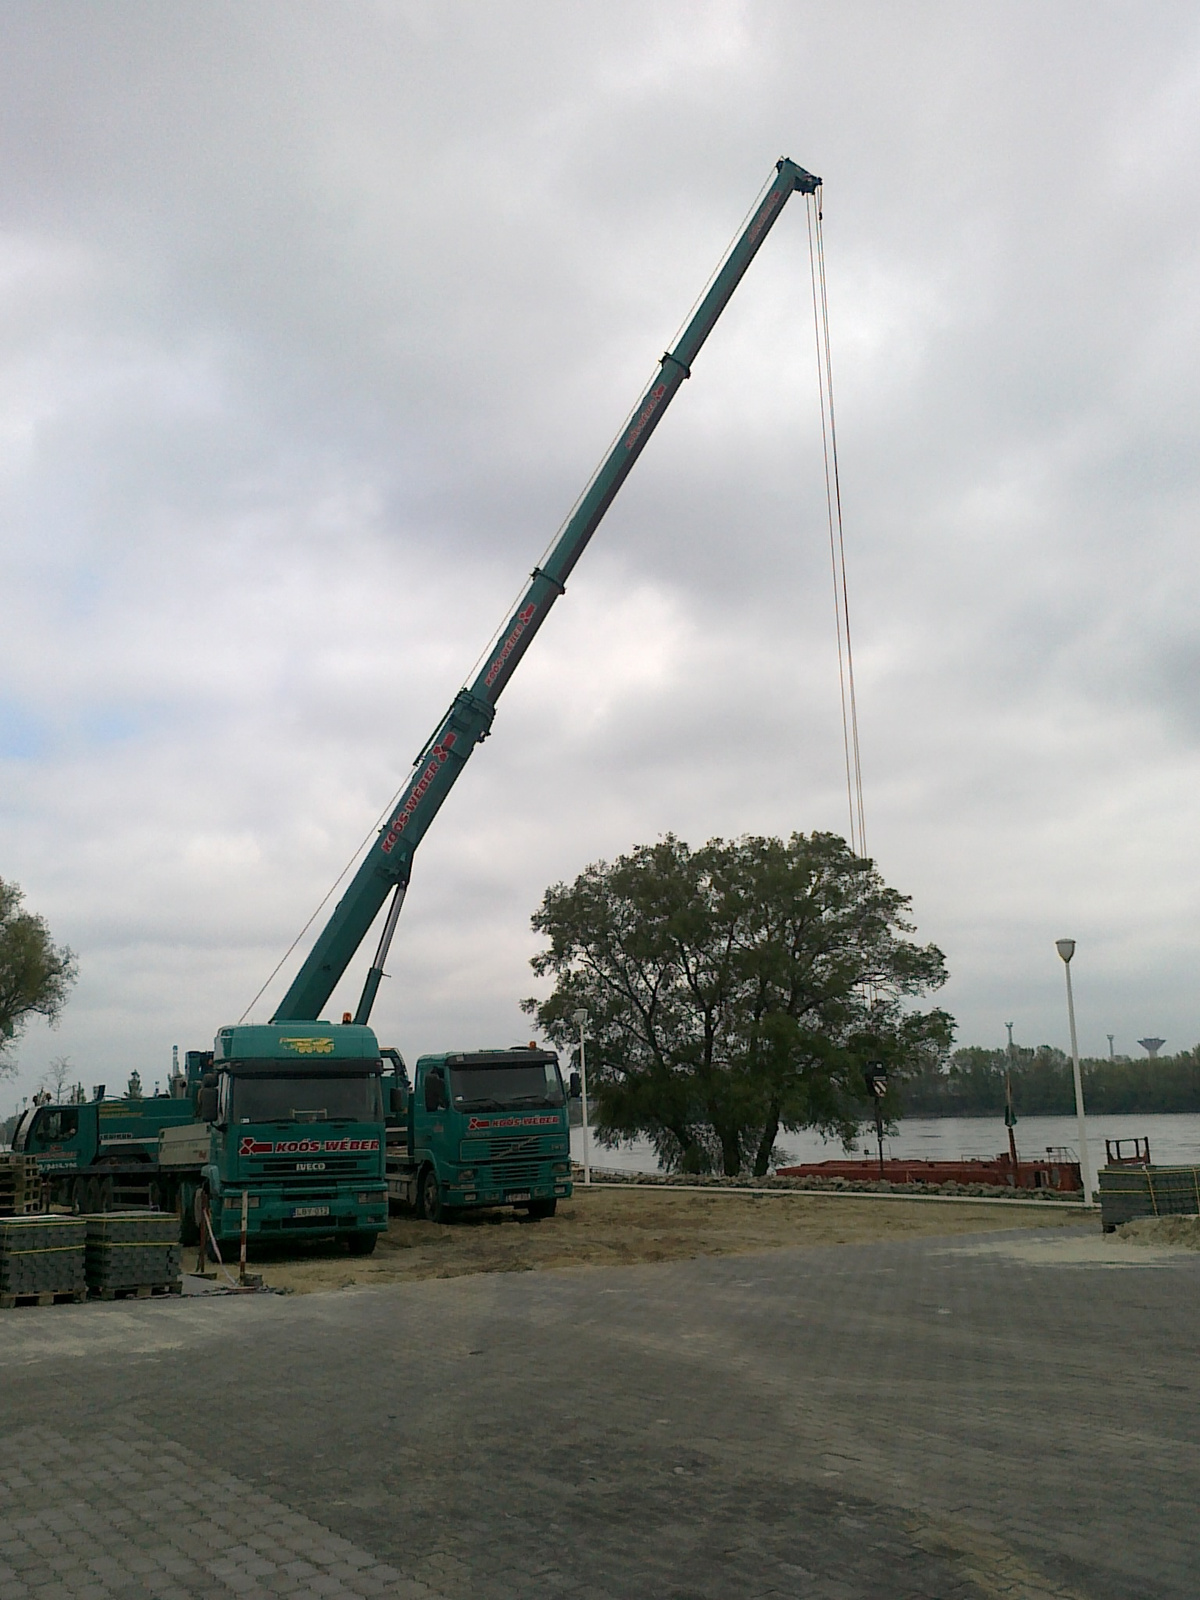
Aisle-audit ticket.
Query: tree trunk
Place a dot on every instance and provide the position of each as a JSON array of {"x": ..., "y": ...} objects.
[
  {"x": 731, "y": 1152},
  {"x": 767, "y": 1143}
]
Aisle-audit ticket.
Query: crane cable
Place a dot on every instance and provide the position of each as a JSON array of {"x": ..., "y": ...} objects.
[{"x": 837, "y": 540}]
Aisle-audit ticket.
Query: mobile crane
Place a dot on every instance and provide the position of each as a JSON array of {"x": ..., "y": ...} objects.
[
  {"x": 475, "y": 1128},
  {"x": 491, "y": 1127}
]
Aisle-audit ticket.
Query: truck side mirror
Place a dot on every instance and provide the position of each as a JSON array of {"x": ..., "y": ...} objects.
[
  {"x": 206, "y": 1105},
  {"x": 576, "y": 1089},
  {"x": 399, "y": 1101}
]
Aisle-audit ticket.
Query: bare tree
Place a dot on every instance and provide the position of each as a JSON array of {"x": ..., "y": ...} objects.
[{"x": 56, "y": 1077}]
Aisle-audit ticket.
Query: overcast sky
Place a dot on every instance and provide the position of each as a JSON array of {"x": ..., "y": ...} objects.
[{"x": 314, "y": 319}]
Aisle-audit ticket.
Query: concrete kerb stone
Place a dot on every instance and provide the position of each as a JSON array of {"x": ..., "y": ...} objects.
[{"x": 1061, "y": 1206}]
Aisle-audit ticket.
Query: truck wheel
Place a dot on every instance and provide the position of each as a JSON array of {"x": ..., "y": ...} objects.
[
  {"x": 361, "y": 1244},
  {"x": 537, "y": 1209},
  {"x": 79, "y": 1196},
  {"x": 106, "y": 1194},
  {"x": 91, "y": 1197},
  {"x": 430, "y": 1204}
]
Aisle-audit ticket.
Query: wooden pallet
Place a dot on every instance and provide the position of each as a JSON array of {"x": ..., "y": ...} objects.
[
  {"x": 63, "y": 1297},
  {"x": 141, "y": 1291}
]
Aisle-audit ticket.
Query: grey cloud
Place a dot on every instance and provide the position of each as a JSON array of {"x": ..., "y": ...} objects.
[{"x": 313, "y": 319}]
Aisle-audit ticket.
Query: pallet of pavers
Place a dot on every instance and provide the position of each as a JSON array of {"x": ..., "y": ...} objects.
[
  {"x": 42, "y": 1260},
  {"x": 20, "y": 1186},
  {"x": 1128, "y": 1192},
  {"x": 133, "y": 1253}
]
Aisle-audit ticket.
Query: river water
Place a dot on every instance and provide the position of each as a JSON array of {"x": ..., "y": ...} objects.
[{"x": 1174, "y": 1140}]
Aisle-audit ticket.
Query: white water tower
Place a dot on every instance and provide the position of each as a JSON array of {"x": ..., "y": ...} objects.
[{"x": 1152, "y": 1047}]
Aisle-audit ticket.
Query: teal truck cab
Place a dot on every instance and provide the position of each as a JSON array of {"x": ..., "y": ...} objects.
[
  {"x": 479, "y": 1128},
  {"x": 297, "y": 1125}
]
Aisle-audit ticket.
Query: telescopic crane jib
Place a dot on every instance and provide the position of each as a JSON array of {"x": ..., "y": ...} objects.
[{"x": 387, "y": 866}]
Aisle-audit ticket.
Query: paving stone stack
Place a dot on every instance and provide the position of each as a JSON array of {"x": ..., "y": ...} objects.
[
  {"x": 20, "y": 1186},
  {"x": 1128, "y": 1192},
  {"x": 41, "y": 1256},
  {"x": 132, "y": 1250}
]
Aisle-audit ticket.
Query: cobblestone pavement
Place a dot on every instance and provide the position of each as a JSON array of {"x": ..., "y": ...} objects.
[{"x": 924, "y": 1419}]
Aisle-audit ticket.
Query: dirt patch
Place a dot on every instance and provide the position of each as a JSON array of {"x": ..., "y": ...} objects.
[
  {"x": 1181, "y": 1232},
  {"x": 602, "y": 1228}
]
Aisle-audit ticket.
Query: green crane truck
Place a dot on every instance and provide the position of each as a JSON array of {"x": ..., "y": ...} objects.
[
  {"x": 294, "y": 1109},
  {"x": 490, "y": 1127},
  {"x": 292, "y": 1117},
  {"x": 480, "y": 1128}
]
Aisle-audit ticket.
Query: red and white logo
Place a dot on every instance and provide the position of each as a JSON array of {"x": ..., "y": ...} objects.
[
  {"x": 438, "y": 758},
  {"x": 524, "y": 618},
  {"x": 476, "y": 1124},
  {"x": 250, "y": 1146}
]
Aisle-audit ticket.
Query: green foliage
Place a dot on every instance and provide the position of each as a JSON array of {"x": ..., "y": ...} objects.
[
  {"x": 133, "y": 1089},
  {"x": 971, "y": 1084},
  {"x": 35, "y": 974},
  {"x": 735, "y": 991}
]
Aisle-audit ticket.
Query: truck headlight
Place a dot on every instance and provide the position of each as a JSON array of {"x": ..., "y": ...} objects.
[
  {"x": 467, "y": 1175},
  {"x": 561, "y": 1166},
  {"x": 375, "y": 1198},
  {"x": 233, "y": 1202}
]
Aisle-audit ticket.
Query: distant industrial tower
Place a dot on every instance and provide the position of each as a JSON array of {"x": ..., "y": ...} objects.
[{"x": 1152, "y": 1047}]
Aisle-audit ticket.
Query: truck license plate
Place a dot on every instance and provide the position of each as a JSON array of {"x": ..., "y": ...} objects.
[
  {"x": 310, "y": 1211},
  {"x": 523, "y": 1195}
]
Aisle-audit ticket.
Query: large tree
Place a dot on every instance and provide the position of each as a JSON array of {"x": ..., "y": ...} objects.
[
  {"x": 35, "y": 973},
  {"x": 735, "y": 991}
]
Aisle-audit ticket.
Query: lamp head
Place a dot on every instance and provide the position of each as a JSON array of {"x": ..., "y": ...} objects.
[
  {"x": 579, "y": 1017},
  {"x": 1065, "y": 948}
]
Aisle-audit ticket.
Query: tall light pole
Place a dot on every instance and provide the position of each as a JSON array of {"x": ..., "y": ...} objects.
[
  {"x": 581, "y": 1017},
  {"x": 1010, "y": 1116},
  {"x": 1066, "y": 949}
]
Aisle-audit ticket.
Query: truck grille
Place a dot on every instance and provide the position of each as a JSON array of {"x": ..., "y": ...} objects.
[
  {"x": 516, "y": 1174},
  {"x": 330, "y": 1167},
  {"x": 533, "y": 1147}
]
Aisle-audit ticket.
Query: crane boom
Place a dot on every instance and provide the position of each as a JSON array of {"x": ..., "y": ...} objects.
[{"x": 388, "y": 863}]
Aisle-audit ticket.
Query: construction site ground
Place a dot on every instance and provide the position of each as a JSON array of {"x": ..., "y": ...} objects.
[
  {"x": 605, "y": 1227},
  {"x": 969, "y": 1403}
]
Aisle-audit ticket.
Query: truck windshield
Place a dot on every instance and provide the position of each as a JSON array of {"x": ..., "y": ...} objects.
[
  {"x": 308, "y": 1098},
  {"x": 506, "y": 1085}
]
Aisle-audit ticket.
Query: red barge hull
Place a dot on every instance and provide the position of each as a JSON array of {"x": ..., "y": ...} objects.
[{"x": 1060, "y": 1173}]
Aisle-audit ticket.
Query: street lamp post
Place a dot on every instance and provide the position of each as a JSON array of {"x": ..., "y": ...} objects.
[
  {"x": 1066, "y": 949},
  {"x": 581, "y": 1017}
]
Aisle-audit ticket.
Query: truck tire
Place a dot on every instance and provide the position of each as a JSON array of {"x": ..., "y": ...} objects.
[
  {"x": 79, "y": 1196},
  {"x": 360, "y": 1243},
  {"x": 537, "y": 1209},
  {"x": 91, "y": 1197},
  {"x": 429, "y": 1200}
]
